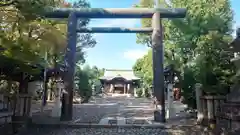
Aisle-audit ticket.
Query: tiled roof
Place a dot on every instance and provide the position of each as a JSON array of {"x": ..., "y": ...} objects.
[{"x": 109, "y": 74}]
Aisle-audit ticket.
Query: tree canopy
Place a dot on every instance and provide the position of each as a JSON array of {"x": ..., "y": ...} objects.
[
  {"x": 197, "y": 45},
  {"x": 26, "y": 35},
  {"x": 87, "y": 77},
  {"x": 27, "y": 38}
]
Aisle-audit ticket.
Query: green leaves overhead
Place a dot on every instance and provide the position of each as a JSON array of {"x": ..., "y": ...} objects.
[
  {"x": 26, "y": 35},
  {"x": 197, "y": 43},
  {"x": 27, "y": 38}
]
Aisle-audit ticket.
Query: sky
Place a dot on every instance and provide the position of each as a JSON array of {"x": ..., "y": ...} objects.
[{"x": 120, "y": 51}]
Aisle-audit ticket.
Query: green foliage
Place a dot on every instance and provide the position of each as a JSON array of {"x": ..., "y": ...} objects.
[
  {"x": 23, "y": 37},
  {"x": 197, "y": 45},
  {"x": 188, "y": 87},
  {"x": 84, "y": 86},
  {"x": 139, "y": 92},
  {"x": 86, "y": 77},
  {"x": 143, "y": 68},
  {"x": 84, "y": 40},
  {"x": 26, "y": 35},
  {"x": 147, "y": 93}
]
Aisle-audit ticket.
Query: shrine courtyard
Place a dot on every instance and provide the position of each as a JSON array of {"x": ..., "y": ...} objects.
[{"x": 107, "y": 115}]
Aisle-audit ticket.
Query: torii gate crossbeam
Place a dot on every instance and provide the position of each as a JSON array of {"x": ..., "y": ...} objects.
[{"x": 115, "y": 12}]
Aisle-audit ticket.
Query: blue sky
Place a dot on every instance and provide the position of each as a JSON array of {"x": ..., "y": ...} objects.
[{"x": 120, "y": 51}]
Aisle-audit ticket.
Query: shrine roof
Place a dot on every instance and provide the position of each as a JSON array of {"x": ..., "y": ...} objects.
[{"x": 110, "y": 74}]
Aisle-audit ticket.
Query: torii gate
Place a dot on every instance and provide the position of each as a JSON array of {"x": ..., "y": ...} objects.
[{"x": 156, "y": 14}]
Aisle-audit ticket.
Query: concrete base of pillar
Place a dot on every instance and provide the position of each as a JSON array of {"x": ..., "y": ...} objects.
[
  {"x": 200, "y": 117},
  {"x": 56, "y": 111},
  {"x": 157, "y": 116},
  {"x": 135, "y": 93},
  {"x": 170, "y": 113}
]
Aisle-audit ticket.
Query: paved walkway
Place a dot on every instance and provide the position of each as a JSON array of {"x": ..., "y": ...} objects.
[
  {"x": 119, "y": 111},
  {"x": 97, "y": 131},
  {"x": 127, "y": 110}
]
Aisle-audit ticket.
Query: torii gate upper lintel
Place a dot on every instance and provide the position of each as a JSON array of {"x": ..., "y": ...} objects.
[
  {"x": 115, "y": 12},
  {"x": 155, "y": 13}
]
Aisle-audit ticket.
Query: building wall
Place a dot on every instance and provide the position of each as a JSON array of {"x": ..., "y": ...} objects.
[
  {"x": 131, "y": 89},
  {"x": 108, "y": 86}
]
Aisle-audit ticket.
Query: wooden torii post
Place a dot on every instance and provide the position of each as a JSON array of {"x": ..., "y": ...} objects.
[{"x": 156, "y": 14}]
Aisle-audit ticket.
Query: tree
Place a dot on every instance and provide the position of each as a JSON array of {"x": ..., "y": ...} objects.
[
  {"x": 199, "y": 42},
  {"x": 143, "y": 68},
  {"x": 83, "y": 40},
  {"x": 26, "y": 35},
  {"x": 87, "y": 77},
  {"x": 84, "y": 86},
  {"x": 26, "y": 28}
]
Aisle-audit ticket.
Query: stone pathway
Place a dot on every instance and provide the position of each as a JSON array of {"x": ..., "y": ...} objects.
[
  {"x": 117, "y": 110},
  {"x": 132, "y": 111},
  {"x": 174, "y": 130},
  {"x": 96, "y": 131},
  {"x": 126, "y": 113}
]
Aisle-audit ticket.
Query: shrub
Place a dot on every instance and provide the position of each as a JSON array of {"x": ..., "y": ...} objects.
[{"x": 139, "y": 92}]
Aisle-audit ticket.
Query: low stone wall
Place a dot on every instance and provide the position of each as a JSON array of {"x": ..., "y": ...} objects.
[
  {"x": 228, "y": 117},
  {"x": 210, "y": 108},
  {"x": 218, "y": 112}
]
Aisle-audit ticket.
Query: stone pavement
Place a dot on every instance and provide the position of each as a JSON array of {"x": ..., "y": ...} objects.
[
  {"x": 130, "y": 115},
  {"x": 96, "y": 131},
  {"x": 109, "y": 110},
  {"x": 119, "y": 130},
  {"x": 132, "y": 110}
]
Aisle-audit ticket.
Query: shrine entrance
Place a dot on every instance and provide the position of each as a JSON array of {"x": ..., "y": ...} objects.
[
  {"x": 119, "y": 81},
  {"x": 158, "y": 70},
  {"x": 119, "y": 85}
]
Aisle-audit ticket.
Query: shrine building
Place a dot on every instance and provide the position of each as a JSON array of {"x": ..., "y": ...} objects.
[{"x": 119, "y": 81}]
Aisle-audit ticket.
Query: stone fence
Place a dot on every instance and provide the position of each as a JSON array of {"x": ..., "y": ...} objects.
[
  {"x": 211, "y": 107},
  {"x": 208, "y": 106},
  {"x": 19, "y": 104},
  {"x": 217, "y": 112},
  {"x": 228, "y": 117}
]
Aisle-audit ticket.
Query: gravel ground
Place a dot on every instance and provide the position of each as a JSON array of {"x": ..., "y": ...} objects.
[
  {"x": 100, "y": 108},
  {"x": 124, "y": 107},
  {"x": 81, "y": 114},
  {"x": 133, "y": 107},
  {"x": 178, "y": 130},
  {"x": 93, "y": 113},
  {"x": 95, "y": 131}
]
